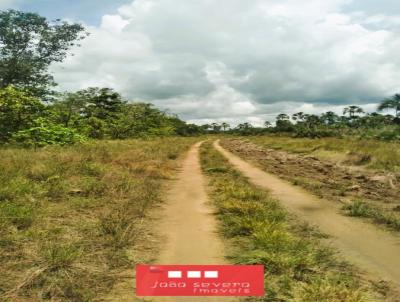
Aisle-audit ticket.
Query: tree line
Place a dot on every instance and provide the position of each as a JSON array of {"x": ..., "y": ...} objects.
[{"x": 353, "y": 121}]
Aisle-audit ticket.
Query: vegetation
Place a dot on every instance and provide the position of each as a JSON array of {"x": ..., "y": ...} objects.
[
  {"x": 359, "y": 208},
  {"x": 320, "y": 167},
  {"x": 298, "y": 267},
  {"x": 93, "y": 113},
  {"x": 32, "y": 114},
  {"x": 28, "y": 45},
  {"x": 354, "y": 123},
  {"x": 73, "y": 218},
  {"x": 373, "y": 154}
]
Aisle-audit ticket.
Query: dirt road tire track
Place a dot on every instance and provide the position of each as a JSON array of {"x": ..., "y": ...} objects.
[
  {"x": 188, "y": 224},
  {"x": 370, "y": 248}
]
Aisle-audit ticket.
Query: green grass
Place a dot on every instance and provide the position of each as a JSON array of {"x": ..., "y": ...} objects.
[
  {"x": 359, "y": 208},
  {"x": 372, "y": 153},
  {"x": 71, "y": 217},
  {"x": 298, "y": 266}
]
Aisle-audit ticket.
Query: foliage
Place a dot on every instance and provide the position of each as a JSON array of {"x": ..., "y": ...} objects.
[
  {"x": 28, "y": 45},
  {"x": 353, "y": 122},
  {"x": 45, "y": 133},
  {"x": 391, "y": 103},
  {"x": 18, "y": 110}
]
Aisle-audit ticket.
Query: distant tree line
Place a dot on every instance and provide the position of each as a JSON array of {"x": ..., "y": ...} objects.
[{"x": 354, "y": 121}]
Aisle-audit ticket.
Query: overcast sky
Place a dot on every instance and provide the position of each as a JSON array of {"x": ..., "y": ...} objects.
[{"x": 233, "y": 60}]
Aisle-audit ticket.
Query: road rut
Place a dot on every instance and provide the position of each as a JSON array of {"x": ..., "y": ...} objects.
[
  {"x": 374, "y": 250},
  {"x": 189, "y": 225}
]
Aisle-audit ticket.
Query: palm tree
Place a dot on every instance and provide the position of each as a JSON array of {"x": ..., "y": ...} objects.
[
  {"x": 225, "y": 126},
  {"x": 391, "y": 103},
  {"x": 352, "y": 111}
]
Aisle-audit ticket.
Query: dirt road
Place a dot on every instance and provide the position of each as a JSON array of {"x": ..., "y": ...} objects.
[
  {"x": 374, "y": 250},
  {"x": 188, "y": 223}
]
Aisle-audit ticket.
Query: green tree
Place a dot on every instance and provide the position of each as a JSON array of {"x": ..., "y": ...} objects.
[
  {"x": 101, "y": 103},
  {"x": 353, "y": 111},
  {"x": 141, "y": 119},
  {"x": 283, "y": 123},
  {"x": 68, "y": 110},
  {"x": 267, "y": 124},
  {"x": 215, "y": 127},
  {"x": 282, "y": 117},
  {"x": 43, "y": 132},
  {"x": 18, "y": 110},
  {"x": 299, "y": 116},
  {"x": 329, "y": 118},
  {"x": 28, "y": 45},
  {"x": 391, "y": 103},
  {"x": 225, "y": 126}
]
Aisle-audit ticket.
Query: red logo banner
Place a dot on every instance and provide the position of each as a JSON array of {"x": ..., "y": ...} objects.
[{"x": 199, "y": 280}]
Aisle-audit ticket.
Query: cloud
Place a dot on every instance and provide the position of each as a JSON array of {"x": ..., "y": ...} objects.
[{"x": 239, "y": 60}]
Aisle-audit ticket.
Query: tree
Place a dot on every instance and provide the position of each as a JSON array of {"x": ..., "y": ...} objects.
[
  {"x": 69, "y": 109},
  {"x": 18, "y": 110},
  {"x": 43, "y": 132},
  {"x": 283, "y": 123},
  {"x": 353, "y": 111},
  {"x": 329, "y": 118},
  {"x": 101, "y": 103},
  {"x": 141, "y": 119},
  {"x": 391, "y": 103},
  {"x": 299, "y": 116},
  {"x": 28, "y": 45},
  {"x": 225, "y": 126},
  {"x": 282, "y": 117},
  {"x": 215, "y": 127},
  {"x": 267, "y": 124}
]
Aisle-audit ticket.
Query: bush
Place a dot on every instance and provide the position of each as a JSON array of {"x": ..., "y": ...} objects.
[
  {"x": 46, "y": 133},
  {"x": 389, "y": 135}
]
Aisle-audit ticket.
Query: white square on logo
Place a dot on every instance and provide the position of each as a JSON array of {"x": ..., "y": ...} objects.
[
  {"x": 174, "y": 274},
  {"x": 210, "y": 274},
  {"x": 193, "y": 274}
]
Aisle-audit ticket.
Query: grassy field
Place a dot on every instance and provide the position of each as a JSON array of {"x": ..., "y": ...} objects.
[
  {"x": 353, "y": 151},
  {"x": 298, "y": 266},
  {"x": 372, "y": 194},
  {"x": 72, "y": 218}
]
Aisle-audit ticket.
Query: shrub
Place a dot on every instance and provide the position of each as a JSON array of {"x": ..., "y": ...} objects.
[{"x": 46, "y": 133}]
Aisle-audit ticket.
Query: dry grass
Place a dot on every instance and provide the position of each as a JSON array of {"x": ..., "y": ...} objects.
[
  {"x": 354, "y": 151},
  {"x": 70, "y": 217}
]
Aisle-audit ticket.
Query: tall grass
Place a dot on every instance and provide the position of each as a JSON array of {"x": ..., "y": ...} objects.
[
  {"x": 72, "y": 218},
  {"x": 298, "y": 267},
  {"x": 372, "y": 153}
]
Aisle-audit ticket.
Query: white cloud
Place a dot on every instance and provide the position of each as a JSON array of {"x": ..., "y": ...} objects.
[
  {"x": 239, "y": 60},
  {"x": 113, "y": 23}
]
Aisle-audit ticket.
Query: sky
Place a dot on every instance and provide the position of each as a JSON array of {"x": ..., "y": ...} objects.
[{"x": 233, "y": 60}]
